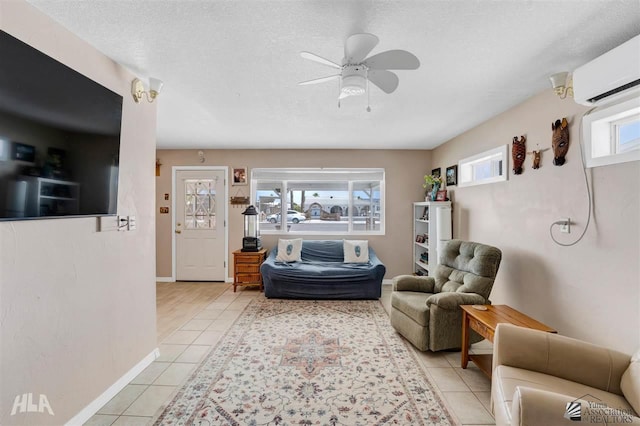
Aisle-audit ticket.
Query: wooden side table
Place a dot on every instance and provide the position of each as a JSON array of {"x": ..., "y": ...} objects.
[
  {"x": 246, "y": 268},
  {"x": 484, "y": 322}
]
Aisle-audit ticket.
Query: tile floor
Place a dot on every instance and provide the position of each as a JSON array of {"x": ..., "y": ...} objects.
[{"x": 467, "y": 392}]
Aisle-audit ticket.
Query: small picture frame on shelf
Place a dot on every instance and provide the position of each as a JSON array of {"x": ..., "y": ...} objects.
[
  {"x": 425, "y": 214},
  {"x": 419, "y": 238},
  {"x": 452, "y": 175},
  {"x": 441, "y": 195},
  {"x": 436, "y": 172}
]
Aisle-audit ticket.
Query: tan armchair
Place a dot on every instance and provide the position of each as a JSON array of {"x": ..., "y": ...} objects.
[
  {"x": 537, "y": 374},
  {"x": 426, "y": 310}
]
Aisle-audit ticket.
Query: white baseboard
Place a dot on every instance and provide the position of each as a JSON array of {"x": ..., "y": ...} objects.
[
  {"x": 165, "y": 280},
  {"x": 87, "y": 412},
  {"x": 387, "y": 282},
  {"x": 229, "y": 280}
]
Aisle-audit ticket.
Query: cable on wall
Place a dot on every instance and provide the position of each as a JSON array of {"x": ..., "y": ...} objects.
[{"x": 586, "y": 182}]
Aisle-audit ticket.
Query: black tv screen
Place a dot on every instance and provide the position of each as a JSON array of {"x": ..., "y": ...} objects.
[{"x": 59, "y": 138}]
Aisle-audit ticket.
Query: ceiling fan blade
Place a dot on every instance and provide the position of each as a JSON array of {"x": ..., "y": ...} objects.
[
  {"x": 385, "y": 80},
  {"x": 319, "y": 59},
  {"x": 358, "y": 46},
  {"x": 393, "y": 60},
  {"x": 319, "y": 80}
]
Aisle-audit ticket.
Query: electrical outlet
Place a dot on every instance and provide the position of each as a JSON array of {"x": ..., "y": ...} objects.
[
  {"x": 131, "y": 223},
  {"x": 566, "y": 225},
  {"x": 123, "y": 223}
]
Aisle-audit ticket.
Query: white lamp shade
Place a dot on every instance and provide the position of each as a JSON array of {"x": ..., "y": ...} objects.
[
  {"x": 155, "y": 85},
  {"x": 559, "y": 79}
]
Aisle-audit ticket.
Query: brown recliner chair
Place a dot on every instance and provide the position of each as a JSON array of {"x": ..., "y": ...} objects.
[{"x": 426, "y": 310}]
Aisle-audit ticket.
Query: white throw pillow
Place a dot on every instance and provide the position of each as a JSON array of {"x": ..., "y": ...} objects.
[
  {"x": 356, "y": 251},
  {"x": 289, "y": 250}
]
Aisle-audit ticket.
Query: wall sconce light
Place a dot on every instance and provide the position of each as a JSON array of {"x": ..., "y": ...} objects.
[
  {"x": 137, "y": 89},
  {"x": 562, "y": 84},
  {"x": 158, "y": 164}
]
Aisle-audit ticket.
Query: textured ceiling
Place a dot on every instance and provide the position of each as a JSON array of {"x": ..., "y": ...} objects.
[{"x": 231, "y": 67}]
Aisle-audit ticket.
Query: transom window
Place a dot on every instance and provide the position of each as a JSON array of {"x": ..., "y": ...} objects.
[
  {"x": 487, "y": 167},
  {"x": 612, "y": 133},
  {"x": 626, "y": 134},
  {"x": 319, "y": 201}
]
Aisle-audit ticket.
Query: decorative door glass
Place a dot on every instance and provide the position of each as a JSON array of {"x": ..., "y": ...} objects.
[{"x": 200, "y": 204}]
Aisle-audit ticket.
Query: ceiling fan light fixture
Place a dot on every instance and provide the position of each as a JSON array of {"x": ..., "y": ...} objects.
[
  {"x": 357, "y": 70},
  {"x": 354, "y": 80},
  {"x": 353, "y": 85}
]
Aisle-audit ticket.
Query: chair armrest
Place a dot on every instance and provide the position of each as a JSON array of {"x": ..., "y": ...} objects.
[
  {"x": 539, "y": 407},
  {"x": 452, "y": 300},
  {"x": 559, "y": 356},
  {"x": 414, "y": 283}
]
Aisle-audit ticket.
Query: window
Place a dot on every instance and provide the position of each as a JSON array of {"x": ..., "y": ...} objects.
[
  {"x": 319, "y": 201},
  {"x": 486, "y": 167},
  {"x": 200, "y": 204},
  {"x": 627, "y": 134},
  {"x": 612, "y": 134}
]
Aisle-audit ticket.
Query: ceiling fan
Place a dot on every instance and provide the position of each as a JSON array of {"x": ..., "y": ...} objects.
[{"x": 356, "y": 72}]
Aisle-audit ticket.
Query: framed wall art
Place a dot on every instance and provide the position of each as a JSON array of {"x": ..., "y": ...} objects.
[
  {"x": 452, "y": 175},
  {"x": 436, "y": 172},
  {"x": 239, "y": 176}
]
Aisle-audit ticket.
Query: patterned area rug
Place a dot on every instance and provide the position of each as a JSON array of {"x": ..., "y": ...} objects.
[{"x": 296, "y": 362}]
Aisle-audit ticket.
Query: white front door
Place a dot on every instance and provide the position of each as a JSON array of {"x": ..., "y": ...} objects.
[{"x": 199, "y": 226}]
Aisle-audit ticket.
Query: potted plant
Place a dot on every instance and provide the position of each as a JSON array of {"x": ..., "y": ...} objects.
[{"x": 434, "y": 182}]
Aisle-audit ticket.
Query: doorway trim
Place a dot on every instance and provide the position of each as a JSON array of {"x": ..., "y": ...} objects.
[{"x": 174, "y": 170}]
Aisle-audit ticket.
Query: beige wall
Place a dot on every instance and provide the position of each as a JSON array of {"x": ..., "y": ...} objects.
[
  {"x": 589, "y": 291},
  {"x": 404, "y": 177},
  {"x": 77, "y": 307}
]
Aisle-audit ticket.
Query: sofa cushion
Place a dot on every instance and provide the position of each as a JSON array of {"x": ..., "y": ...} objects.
[
  {"x": 289, "y": 250},
  {"x": 323, "y": 251},
  {"x": 413, "y": 304},
  {"x": 505, "y": 379},
  {"x": 630, "y": 383},
  {"x": 560, "y": 356},
  {"x": 356, "y": 251}
]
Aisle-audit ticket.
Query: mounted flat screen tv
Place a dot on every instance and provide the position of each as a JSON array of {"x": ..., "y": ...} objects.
[{"x": 59, "y": 138}]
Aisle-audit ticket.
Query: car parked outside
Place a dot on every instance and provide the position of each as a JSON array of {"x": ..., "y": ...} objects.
[{"x": 292, "y": 217}]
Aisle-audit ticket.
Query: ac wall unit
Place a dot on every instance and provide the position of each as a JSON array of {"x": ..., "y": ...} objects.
[{"x": 610, "y": 76}]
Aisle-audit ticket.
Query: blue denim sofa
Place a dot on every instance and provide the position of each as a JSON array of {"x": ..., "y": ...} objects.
[{"x": 322, "y": 274}]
